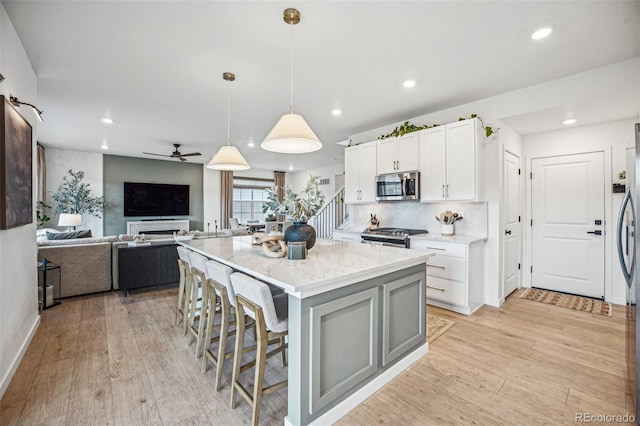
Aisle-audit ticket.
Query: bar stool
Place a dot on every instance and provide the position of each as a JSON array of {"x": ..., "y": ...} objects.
[
  {"x": 198, "y": 311},
  {"x": 219, "y": 287},
  {"x": 269, "y": 312},
  {"x": 184, "y": 287}
]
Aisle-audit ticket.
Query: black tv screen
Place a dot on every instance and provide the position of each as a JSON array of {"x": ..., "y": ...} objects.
[{"x": 155, "y": 199}]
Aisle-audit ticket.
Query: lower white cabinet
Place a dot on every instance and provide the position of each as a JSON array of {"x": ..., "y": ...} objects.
[
  {"x": 353, "y": 237},
  {"x": 455, "y": 275}
]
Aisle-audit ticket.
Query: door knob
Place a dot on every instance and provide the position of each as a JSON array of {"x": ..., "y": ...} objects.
[{"x": 507, "y": 232}]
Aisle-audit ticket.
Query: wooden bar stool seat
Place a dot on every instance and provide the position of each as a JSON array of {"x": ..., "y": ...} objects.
[
  {"x": 254, "y": 299},
  {"x": 184, "y": 288},
  {"x": 219, "y": 283},
  {"x": 201, "y": 308}
]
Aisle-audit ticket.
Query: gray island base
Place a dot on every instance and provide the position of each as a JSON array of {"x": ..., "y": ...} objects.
[{"x": 357, "y": 318}]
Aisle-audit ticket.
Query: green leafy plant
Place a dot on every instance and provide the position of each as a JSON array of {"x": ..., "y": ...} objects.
[
  {"x": 41, "y": 216},
  {"x": 406, "y": 127},
  {"x": 488, "y": 130},
  {"x": 74, "y": 196},
  {"x": 300, "y": 208},
  {"x": 403, "y": 129}
]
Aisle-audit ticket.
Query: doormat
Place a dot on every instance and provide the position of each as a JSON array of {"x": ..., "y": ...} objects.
[
  {"x": 437, "y": 326},
  {"x": 577, "y": 303}
]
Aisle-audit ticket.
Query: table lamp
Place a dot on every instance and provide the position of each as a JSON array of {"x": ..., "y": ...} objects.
[{"x": 70, "y": 220}]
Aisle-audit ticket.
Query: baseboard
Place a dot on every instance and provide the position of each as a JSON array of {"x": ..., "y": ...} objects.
[
  {"x": 18, "y": 358},
  {"x": 493, "y": 302},
  {"x": 618, "y": 301},
  {"x": 357, "y": 398}
]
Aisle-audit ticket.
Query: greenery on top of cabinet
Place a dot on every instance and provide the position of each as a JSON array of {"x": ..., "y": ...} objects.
[{"x": 406, "y": 127}]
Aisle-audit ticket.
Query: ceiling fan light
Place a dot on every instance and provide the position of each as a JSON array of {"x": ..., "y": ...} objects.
[
  {"x": 228, "y": 158},
  {"x": 291, "y": 135}
]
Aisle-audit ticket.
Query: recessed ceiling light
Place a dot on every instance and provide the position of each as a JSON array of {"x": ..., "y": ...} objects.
[
  {"x": 336, "y": 111},
  {"x": 291, "y": 167},
  {"x": 541, "y": 33},
  {"x": 569, "y": 121},
  {"x": 409, "y": 84},
  {"x": 251, "y": 143},
  {"x": 104, "y": 145},
  {"x": 107, "y": 120}
]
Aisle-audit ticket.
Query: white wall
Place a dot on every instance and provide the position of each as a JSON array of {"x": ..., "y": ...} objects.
[
  {"x": 298, "y": 180},
  {"x": 19, "y": 317},
  {"x": 616, "y": 136},
  {"x": 59, "y": 162}
]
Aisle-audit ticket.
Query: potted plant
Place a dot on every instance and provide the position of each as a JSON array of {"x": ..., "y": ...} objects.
[
  {"x": 74, "y": 196},
  {"x": 300, "y": 208}
]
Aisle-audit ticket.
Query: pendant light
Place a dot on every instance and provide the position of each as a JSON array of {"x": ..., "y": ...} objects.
[
  {"x": 291, "y": 134},
  {"x": 228, "y": 157}
]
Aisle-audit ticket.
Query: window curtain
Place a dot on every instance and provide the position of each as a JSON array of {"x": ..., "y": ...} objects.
[
  {"x": 278, "y": 178},
  {"x": 41, "y": 175},
  {"x": 226, "y": 198}
]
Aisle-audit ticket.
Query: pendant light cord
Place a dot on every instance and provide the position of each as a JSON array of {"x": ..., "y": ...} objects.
[
  {"x": 228, "y": 118},
  {"x": 291, "y": 70}
]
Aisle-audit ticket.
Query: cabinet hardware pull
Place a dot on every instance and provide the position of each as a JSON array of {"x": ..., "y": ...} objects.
[
  {"x": 447, "y": 190},
  {"x": 435, "y": 266},
  {"x": 435, "y": 288},
  {"x": 442, "y": 191},
  {"x": 436, "y": 248}
]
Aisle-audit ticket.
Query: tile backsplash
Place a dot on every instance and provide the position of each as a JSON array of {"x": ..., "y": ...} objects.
[{"x": 422, "y": 216}]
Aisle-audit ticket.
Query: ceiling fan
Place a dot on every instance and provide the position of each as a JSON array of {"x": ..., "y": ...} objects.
[{"x": 176, "y": 153}]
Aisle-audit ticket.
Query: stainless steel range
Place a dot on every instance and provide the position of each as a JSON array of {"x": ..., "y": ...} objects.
[{"x": 392, "y": 237}]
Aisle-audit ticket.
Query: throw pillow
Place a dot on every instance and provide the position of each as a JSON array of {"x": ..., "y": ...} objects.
[{"x": 69, "y": 235}]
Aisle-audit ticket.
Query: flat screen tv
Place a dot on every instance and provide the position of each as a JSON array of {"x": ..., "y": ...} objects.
[{"x": 155, "y": 199}]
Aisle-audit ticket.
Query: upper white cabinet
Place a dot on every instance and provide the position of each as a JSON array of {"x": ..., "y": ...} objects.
[
  {"x": 396, "y": 155},
  {"x": 449, "y": 162},
  {"x": 360, "y": 173}
]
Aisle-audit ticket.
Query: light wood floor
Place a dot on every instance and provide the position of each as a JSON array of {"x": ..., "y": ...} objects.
[{"x": 104, "y": 359}]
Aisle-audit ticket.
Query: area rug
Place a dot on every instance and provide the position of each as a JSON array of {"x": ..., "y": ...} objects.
[
  {"x": 577, "y": 303},
  {"x": 437, "y": 326}
]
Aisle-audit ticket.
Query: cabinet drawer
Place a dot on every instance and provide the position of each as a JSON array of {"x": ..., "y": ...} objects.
[
  {"x": 346, "y": 236},
  {"x": 443, "y": 248},
  {"x": 453, "y": 268},
  {"x": 453, "y": 292}
]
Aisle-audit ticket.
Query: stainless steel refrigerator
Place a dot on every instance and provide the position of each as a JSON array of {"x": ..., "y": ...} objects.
[{"x": 628, "y": 240}]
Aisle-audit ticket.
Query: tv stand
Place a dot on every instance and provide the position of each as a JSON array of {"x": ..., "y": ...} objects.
[{"x": 140, "y": 227}]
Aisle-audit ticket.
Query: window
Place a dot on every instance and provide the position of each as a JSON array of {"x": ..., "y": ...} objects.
[{"x": 248, "y": 196}]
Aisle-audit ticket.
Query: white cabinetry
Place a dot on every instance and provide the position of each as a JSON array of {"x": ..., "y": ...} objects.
[
  {"x": 449, "y": 169},
  {"x": 360, "y": 173},
  {"x": 353, "y": 237},
  {"x": 396, "y": 155},
  {"x": 455, "y": 275}
]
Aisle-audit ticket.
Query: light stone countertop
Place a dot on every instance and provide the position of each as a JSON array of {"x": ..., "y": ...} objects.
[{"x": 329, "y": 264}]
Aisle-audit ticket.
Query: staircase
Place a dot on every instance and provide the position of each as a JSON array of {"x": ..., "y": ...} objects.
[{"x": 333, "y": 214}]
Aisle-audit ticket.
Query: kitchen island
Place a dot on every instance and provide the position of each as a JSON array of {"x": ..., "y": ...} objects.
[{"x": 357, "y": 317}]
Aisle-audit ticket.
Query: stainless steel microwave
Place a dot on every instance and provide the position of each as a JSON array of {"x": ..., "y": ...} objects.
[{"x": 398, "y": 186}]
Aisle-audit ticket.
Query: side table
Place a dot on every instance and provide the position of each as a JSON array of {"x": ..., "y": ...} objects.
[{"x": 48, "y": 284}]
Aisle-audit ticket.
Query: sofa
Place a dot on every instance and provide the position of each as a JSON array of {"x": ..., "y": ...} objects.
[{"x": 90, "y": 265}]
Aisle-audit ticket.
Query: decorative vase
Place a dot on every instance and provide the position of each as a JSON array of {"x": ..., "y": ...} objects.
[
  {"x": 447, "y": 229},
  {"x": 300, "y": 231}
]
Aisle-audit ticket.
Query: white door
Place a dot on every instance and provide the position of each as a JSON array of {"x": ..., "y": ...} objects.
[
  {"x": 512, "y": 223},
  {"x": 367, "y": 158},
  {"x": 387, "y": 152},
  {"x": 407, "y": 156},
  {"x": 351, "y": 175},
  {"x": 461, "y": 161},
  {"x": 567, "y": 207},
  {"x": 433, "y": 152}
]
